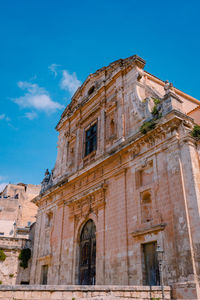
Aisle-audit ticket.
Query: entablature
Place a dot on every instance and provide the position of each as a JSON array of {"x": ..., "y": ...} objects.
[{"x": 171, "y": 126}]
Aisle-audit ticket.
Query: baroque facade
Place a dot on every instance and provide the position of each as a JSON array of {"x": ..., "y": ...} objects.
[{"x": 126, "y": 180}]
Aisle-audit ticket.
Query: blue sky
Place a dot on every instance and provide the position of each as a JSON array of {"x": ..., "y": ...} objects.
[{"x": 48, "y": 47}]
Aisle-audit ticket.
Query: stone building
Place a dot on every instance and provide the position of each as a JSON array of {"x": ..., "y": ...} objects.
[
  {"x": 17, "y": 212},
  {"x": 126, "y": 180},
  {"x": 17, "y": 223}
]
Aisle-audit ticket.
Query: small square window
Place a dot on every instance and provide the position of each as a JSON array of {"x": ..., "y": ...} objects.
[{"x": 91, "y": 139}]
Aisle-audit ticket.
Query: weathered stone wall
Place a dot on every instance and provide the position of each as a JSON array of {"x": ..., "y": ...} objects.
[
  {"x": 137, "y": 188},
  {"x": 10, "y": 270},
  {"x": 82, "y": 292},
  {"x": 16, "y": 207},
  {"x": 195, "y": 114}
]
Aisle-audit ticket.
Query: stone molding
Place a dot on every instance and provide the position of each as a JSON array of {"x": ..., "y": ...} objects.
[
  {"x": 148, "y": 230},
  {"x": 83, "y": 204},
  {"x": 106, "y": 288},
  {"x": 45, "y": 259},
  {"x": 83, "y": 292},
  {"x": 87, "y": 193},
  {"x": 137, "y": 144},
  {"x": 121, "y": 65}
]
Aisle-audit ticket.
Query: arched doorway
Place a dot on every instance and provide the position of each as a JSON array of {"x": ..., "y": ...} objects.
[{"x": 87, "y": 261}]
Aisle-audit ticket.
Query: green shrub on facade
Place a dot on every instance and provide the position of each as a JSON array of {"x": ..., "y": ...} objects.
[
  {"x": 24, "y": 257},
  {"x": 147, "y": 126},
  {"x": 2, "y": 255},
  {"x": 156, "y": 101},
  {"x": 156, "y": 110},
  {"x": 196, "y": 132}
]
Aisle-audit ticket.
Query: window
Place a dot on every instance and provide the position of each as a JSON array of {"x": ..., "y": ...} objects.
[
  {"x": 91, "y": 139},
  {"x": 91, "y": 90},
  {"x": 44, "y": 274},
  {"x": 24, "y": 282}
]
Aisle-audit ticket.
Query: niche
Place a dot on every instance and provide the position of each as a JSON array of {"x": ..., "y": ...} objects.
[
  {"x": 71, "y": 154},
  {"x": 110, "y": 126},
  {"x": 49, "y": 218},
  {"x": 146, "y": 206},
  {"x": 144, "y": 176}
]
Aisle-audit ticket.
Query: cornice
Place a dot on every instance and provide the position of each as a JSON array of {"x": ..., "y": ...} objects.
[
  {"x": 190, "y": 140},
  {"x": 165, "y": 129}
]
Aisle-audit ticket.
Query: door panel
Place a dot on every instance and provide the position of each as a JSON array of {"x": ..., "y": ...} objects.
[
  {"x": 87, "y": 265},
  {"x": 151, "y": 276}
]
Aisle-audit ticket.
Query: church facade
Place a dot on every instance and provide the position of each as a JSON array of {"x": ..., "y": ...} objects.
[{"x": 126, "y": 182}]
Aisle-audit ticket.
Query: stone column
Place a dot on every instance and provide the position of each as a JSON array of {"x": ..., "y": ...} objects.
[
  {"x": 77, "y": 148},
  {"x": 190, "y": 169},
  {"x": 120, "y": 113},
  {"x": 180, "y": 260},
  {"x": 102, "y": 131}
]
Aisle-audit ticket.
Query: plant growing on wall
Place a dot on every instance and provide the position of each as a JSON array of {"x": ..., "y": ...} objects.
[
  {"x": 24, "y": 257},
  {"x": 156, "y": 109},
  {"x": 196, "y": 132},
  {"x": 2, "y": 255},
  {"x": 149, "y": 125}
]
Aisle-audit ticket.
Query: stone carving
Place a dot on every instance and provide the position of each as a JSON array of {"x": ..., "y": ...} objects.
[
  {"x": 168, "y": 86},
  {"x": 47, "y": 181},
  {"x": 87, "y": 202}
]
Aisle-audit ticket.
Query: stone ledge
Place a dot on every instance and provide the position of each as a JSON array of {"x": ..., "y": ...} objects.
[
  {"x": 105, "y": 288},
  {"x": 147, "y": 230}
]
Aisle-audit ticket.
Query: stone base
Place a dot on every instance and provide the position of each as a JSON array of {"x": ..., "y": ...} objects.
[
  {"x": 58, "y": 292},
  {"x": 186, "y": 290}
]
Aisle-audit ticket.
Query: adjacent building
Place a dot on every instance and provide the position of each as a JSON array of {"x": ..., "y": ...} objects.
[
  {"x": 17, "y": 223},
  {"x": 126, "y": 180}
]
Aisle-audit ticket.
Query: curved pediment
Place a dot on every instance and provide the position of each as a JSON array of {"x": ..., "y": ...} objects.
[{"x": 100, "y": 79}]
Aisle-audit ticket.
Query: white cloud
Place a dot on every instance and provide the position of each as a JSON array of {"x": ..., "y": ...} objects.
[
  {"x": 53, "y": 69},
  {"x": 2, "y": 186},
  {"x": 31, "y": 115},
  {"x": 4, "y": 117},
  {"x": 69, "y": 82},
  {"x": 36, "y": 97}
]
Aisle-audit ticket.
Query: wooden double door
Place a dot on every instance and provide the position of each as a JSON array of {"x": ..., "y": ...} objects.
[{"x": 87, "y": 261}]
